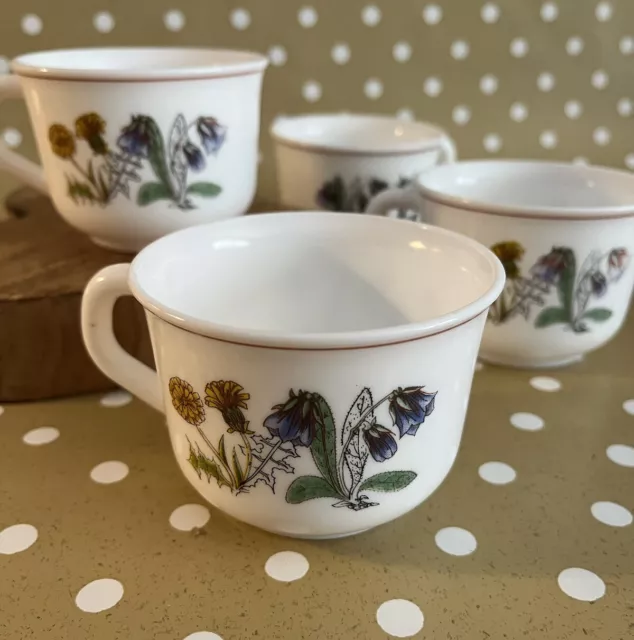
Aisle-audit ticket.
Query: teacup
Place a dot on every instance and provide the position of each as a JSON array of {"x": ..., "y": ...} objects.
[
  {"x": 138, "y": 142},
  {"x": 338, "y": 162},
  {"x": 565, "y": 234},
  {"x": 314, "y": 368}
]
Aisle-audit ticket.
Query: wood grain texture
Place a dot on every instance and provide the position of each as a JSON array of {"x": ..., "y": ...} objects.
[{"x": 44, "y": 267}]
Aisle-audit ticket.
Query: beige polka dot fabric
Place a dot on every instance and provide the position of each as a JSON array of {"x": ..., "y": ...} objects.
[{"x": 532, "y": 79}]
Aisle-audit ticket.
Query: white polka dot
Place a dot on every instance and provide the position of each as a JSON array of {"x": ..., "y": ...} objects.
[
  {"x": 602, "y": 136},
  {"x": 549, "y": 11},
  {"x": 621, "y": 454},
  {"x": 41, "y": 435},
  {"x": 488, "y": 84},
  {"x": 545, "y": 81},
  {"x": 373, "y": 88},
  {"x": 16, "y": 538},
  {"x": 402, "y": 51},
  {"x": 115, "y": 399},
  {"x": 371, "y": 15},
  {"x": 340, "y": 53},
  {"x": 626, "y": 45},
  {"x": 12, "y": 137},
  {"x": 311, "y": 90},
  {"x": 629, "y": 161},
  {"x": 573, "y": 109},
  {"x": 307, "y": 17},
  {"x": 286, "y": 566},
  {"x": 527, "y": 421},
  {"x": 518, "y": 112},
  {"x": 103, "y": 22},
  {"x": 174, "y": 20},
  {"x": 548, "y": 139},
  {"x": 433, "y": 86},
  {"x": 600, "y": 79},
  {"x": 625, "y": 107},
  {"x": 492, "y": 142},
  {"x": 460, "y": 49},
  {"x": 189, "y": 516},
  {"x": 99, "y": 595},
  {"x": 461, "y": 114},
  {"x": 519, "y": 47},
  {"x": 581, "y": 584},
  {"x": 4, "y": 65},
  {"x": 574, "y": 45},
  {"x": 545, "y": 383},
  {"x": 400, "y": 618},
  {"x": 202, "y": 635},
  {"x": 497, "y": 472},
  {"x": 277, "y": 56},
  {"x": 479, "y": 366},
  {"x": 628, "y": 407},
  {"x": 109, "y": 472},
  {"x": 490, "y": 13},
  {"x": 432, "y": 14},
  {"x": 1, "y": 410},
  {"x": 612, "y": 514},
  {"x": 580, "y": 160},
  {"x": 456, "y": 541},
  {"x": 240, "y": 19},
  {"x": 31, "y": 24},
  {"x": 405, "y": 114},
  {"x": 603, "y": 11}
]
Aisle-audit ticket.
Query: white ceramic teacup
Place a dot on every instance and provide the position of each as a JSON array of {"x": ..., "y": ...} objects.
[
  {"x": 138, "y": 142},
  {"x": 314, "y": 368},
  {"x": 565, "y": 234},
  {"x": 339, "y": 162}
]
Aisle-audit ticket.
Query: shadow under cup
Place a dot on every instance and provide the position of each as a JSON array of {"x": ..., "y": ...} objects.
[{"x": 284, "y": 343}]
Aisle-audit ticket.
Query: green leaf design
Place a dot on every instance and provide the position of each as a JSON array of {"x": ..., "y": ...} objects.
[
  {"x": 204, "y": 189},
  {"x": 551, "y": 315},
  {"x": 598, "y": 315},
  {"x": 566, "y": 284},
  {"x": 157, "y": 157},
  {"x": 91, "y": 172},
  {"x": 222, "y": 451},
  {"x": 237, "y": 469},
  {"x": 211, "y": 469},
  {"x": 388, "y": 481},
  {"x": 309, "y": 488},
  {"x": 103, "y": 188},
  {"x": 323, "y": 448},
  {"x": 80, "y": 191},
  {"x": 151, "y": 192}
]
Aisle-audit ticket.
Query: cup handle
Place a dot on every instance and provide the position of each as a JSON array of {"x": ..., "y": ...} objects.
[
  {"x": 397, "y": 198},
  {"x": 97, "y": 305},
  {"x": 448, "y": 150},
  {"x": 11, "y": 162}
]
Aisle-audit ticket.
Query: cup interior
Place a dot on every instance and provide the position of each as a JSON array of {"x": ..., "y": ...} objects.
[
  {"x": 137, "y": 63},
  {"x": 531, "y": 187},
  {"x": 315, "y": 274},
  {"x": 355, "y": 133}
]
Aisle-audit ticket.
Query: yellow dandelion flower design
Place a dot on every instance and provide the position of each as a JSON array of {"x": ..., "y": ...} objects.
[
  {"x": 89, "y": 125},
  {"x": 62, "y": 141},
  {"x": 186, "y": 401},
  {"x": 226, "y": 394}
]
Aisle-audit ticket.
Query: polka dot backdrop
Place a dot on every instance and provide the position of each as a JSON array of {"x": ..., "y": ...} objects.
[{"x": 548, "y": 79}]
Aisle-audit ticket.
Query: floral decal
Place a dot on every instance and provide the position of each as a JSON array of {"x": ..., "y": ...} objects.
[
  {"x": 109, "y": 171},
  {"x": 355, "y": 195},
  {"x": 557, "y": 271},
  {"x": 242, "y": 458}
]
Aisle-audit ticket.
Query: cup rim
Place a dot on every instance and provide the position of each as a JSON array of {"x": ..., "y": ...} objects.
[
  {"x": 522, "y": 211},
  {"x": 35, "y": 65},
  {"x": 428, "y": 134},
  {"x": 335, "y": 341}
]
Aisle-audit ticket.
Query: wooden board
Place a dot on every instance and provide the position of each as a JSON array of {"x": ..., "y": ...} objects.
[{"x": 44, "y": 267}]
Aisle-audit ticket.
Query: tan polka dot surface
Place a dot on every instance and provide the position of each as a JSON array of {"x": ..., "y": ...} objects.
[
  {"x": 530, "y": 535},
  {"x": 534, "y": 79}
]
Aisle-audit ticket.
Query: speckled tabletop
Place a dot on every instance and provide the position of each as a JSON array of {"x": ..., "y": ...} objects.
[{"x": 102, "y": 538}]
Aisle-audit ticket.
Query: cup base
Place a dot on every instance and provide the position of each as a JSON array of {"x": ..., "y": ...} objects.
[
  {"x": 114, "y": 246},
  {"x": 333, "y": 536},
  {"x": 531, "y": 363}
]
